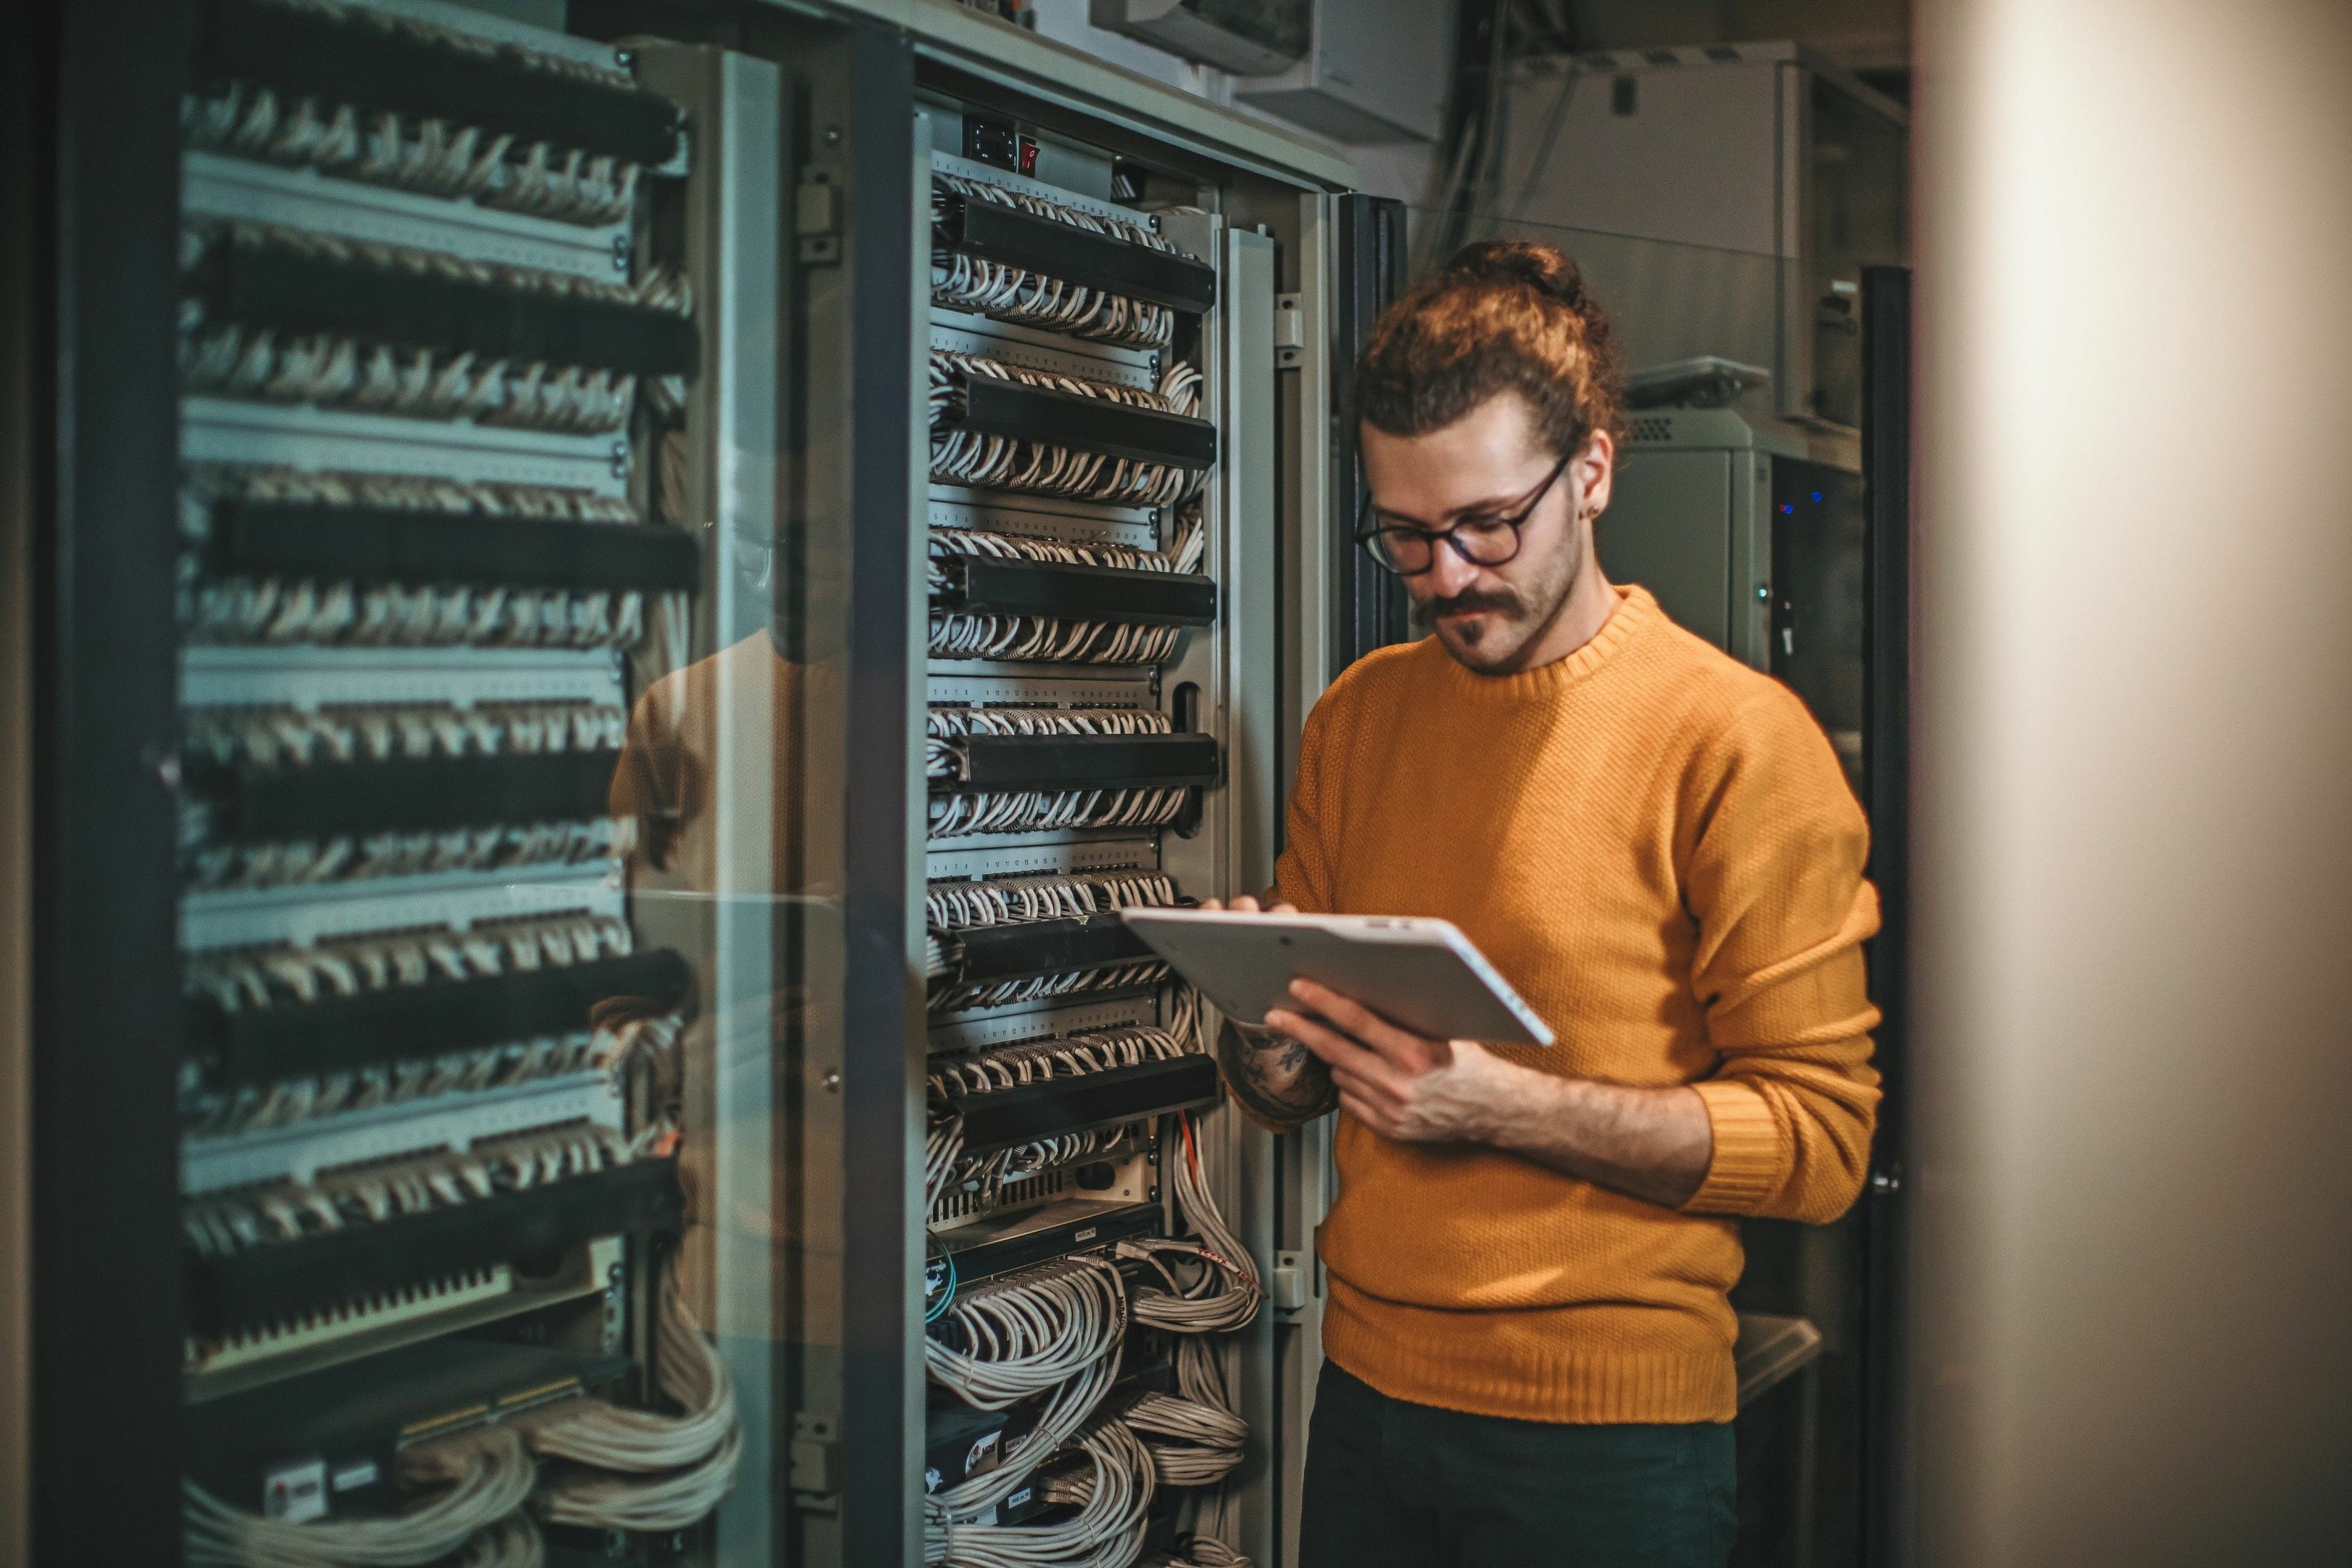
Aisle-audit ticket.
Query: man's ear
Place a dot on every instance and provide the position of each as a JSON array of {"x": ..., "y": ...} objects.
[{"x": 1596, "y": 470}]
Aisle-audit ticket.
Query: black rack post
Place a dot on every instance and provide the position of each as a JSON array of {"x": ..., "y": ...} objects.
[
  {"x": 92, "y": 306},
  {"x": 1371, "y": 245},
  {"x": 1886, "y": 781},
  {"x": 880, "y": 1271}
]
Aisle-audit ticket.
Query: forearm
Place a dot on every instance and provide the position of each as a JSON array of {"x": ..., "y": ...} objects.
[
  {"x": 1649, "y": 1144},
  {"x": 1273, "y": 1077}
]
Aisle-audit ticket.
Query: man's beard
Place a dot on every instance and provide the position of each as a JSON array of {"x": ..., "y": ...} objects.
[{"x": 1521, "y": 618}]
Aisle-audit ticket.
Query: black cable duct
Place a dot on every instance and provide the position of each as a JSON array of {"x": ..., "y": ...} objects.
[
  {"x": 391, "y": 544},
  {"x": 379, "y": 62},
  {"x": 256, "y": 282},
  {"x": 264, "y": 1044}
]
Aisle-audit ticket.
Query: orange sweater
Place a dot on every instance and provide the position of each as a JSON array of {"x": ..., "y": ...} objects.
[{"x": 1655, "y": 844}]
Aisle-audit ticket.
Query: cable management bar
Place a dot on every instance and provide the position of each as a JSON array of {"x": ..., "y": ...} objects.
[
  {"x": 264, "y": 1044},
  {"x": 389, "y": 545},
  {"x": 995, "y": 232},
  {"x": 974, "y": 584}
]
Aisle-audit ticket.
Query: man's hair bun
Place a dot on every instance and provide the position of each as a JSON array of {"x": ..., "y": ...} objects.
[
  {"x": 1499, "y": 316},
  {"x": 1539, "y": 266}
]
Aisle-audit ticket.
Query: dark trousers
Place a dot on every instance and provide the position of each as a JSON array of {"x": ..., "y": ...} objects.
[{"x": 1393, "y": 1485}]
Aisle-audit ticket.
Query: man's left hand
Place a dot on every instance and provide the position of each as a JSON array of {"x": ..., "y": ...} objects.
[{"x": 1399, "y": 1084}]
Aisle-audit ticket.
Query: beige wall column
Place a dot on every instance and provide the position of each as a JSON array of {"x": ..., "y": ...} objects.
[{"x": 2135, "y": 773}]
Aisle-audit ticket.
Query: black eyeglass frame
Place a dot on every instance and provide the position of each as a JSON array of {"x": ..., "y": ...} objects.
[{"x": 1369, "y": 538}]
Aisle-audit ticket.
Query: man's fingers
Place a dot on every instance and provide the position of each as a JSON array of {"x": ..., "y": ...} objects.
[
  {"x": 1364, "y": 1114},
  {"x": 1366, "y": 1089},
  {"x": 1245, "y": 904},
  {"x": 1334, "y": 1049},
  {"x": 1402, "y": 1046}
]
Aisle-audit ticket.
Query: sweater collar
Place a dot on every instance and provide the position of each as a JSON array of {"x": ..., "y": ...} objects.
[{"x": 1636, "y": 612}]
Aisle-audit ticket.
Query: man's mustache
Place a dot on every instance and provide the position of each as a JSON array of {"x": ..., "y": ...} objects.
[{"x": 1426, "y": 611}]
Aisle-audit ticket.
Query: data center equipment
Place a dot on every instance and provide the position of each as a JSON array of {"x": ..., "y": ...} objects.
[
  {"x": 688, "y": 563},
  {"x": 1749, "y": 530}
]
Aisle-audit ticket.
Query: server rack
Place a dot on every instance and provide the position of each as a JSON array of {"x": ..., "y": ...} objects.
[{"x": 620, "y": 607}]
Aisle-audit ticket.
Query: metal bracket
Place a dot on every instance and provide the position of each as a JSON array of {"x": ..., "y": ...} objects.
[
  {"x": 1289, "y": 331},
  {"x": 816, "y": 217},
  {"x": 816, "y": 1484},
  {"x": 1288, "y": 1288}
]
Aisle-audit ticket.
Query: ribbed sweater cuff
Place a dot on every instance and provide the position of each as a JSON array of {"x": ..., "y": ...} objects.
[{"x": 1746, "y": 1169}]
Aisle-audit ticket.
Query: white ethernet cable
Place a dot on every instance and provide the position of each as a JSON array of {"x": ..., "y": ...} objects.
[
  {"x": 1026, "y": 811},
  {"x": 487, "y": 1474},
  {"x": 292, "y": 737},
  {"x": 673, "y": 1470},
  {"x": 402, "y": 853},
  {"x": 953, "y": 906},
  {"x": 1224, "y": 1293},
  {"x": 1106, "y": 1533},
  {"x": 429, "y": 157},
  {"x": 276, "y": 1213}
]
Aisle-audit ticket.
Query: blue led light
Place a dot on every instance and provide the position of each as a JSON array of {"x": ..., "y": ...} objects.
[
  {"x": 1788, "y": 508},
  {"x": 1817, "y": 498}
]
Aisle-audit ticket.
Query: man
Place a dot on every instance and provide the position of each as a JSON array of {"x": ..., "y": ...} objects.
[{"x": 1529, "y": 1337}]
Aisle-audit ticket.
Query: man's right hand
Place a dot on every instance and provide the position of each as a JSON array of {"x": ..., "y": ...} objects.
[{"x": 1275, "y": 1077}]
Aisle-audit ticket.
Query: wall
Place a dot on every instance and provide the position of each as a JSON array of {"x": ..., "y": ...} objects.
[{"x": 2135, "y": 870}]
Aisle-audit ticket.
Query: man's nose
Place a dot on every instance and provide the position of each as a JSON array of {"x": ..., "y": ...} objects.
[{"x": 1448, "y": 574}]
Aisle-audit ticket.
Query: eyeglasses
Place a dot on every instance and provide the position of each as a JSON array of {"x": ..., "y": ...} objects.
[{"x": 1483, "y": 540}]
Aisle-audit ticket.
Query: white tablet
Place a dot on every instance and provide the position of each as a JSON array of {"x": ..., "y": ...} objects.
[{"x": 1421, "y": 973}]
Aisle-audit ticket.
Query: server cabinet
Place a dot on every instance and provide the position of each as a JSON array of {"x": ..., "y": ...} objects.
[{"x": 620, "y": 607}]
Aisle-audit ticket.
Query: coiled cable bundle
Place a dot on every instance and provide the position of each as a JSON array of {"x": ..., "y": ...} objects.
[
  {"x": 1194, "y": 1437},
  {"x": 1057, "y": 1329},
  {"x": 488, "y": 1478},
  {"x": 1114, "y": 1491},
  {"x": 1223, "y": 1292},
  {"x": 1009, "y": 293},
  {"x": 641, "y": 1470},
  {"x": 614, "y": 1469},
  {"x": 969, "y": 457}
]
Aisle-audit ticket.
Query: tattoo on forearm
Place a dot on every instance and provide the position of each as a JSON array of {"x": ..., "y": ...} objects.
[{"x": 1273, "y": 1077}]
